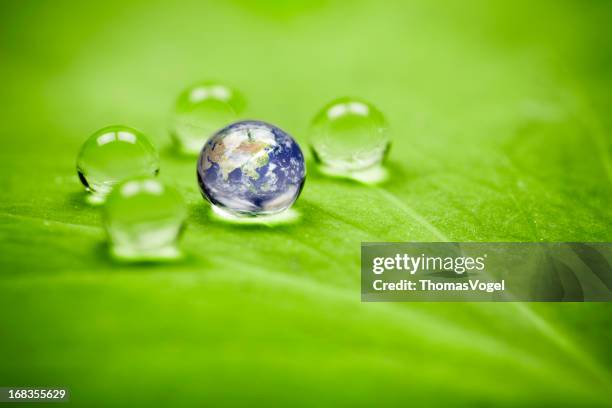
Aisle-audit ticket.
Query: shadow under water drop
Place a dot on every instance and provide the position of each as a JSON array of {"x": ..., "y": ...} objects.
[
  {"x": 95, "y": 199},
  {"x": 131, "y": 255},
  {"x": 186, "y": 262},
  {"x": 84, "y": 199},
  {"x": 371, "y": 176},
  {"x": 114, "y": 256},
  {"x": 289, "y": 216}
]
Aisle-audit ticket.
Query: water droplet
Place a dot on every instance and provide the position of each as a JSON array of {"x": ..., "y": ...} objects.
[
  {"x": 251, "y": 168},
  {"x": 349, "y": 135},
  {"x": 144, "y": 219},
  {"x": 112, "y": 154},
  {"x": 200, "y": 111}
]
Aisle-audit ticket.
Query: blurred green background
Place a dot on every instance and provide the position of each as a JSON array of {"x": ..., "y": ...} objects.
[{"x": 500, "y": 118}]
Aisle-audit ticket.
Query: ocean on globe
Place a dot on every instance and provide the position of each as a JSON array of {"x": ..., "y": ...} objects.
[{"x": 251, "y": 168}]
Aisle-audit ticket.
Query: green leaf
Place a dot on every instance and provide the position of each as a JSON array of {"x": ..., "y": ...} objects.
[{"x": 500, "y": 123}]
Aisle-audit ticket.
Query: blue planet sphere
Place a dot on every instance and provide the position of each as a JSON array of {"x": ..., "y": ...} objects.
[{"x": 251, "y": 168}]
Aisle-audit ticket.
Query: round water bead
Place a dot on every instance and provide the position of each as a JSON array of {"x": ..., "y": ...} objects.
[
  {"x": 349, "y": 135},
  {"x": 144, "y": 219},
  {"x": 251, "y": 168},
  {"x": 112, "y": 154},
  {"x": 200, "y": 111}
]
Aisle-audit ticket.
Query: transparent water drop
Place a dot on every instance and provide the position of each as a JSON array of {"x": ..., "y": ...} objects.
[
  {"x": 112, "y": 154},
  {"x": 200, "y": 111},
  {"x": 251, "y": 168},
  {"x": 349, "y": 135},
  {"x": 144, "y": 219}
]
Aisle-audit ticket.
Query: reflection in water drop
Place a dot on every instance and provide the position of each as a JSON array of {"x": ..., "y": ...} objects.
[{"x": 251, "y": 168}]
